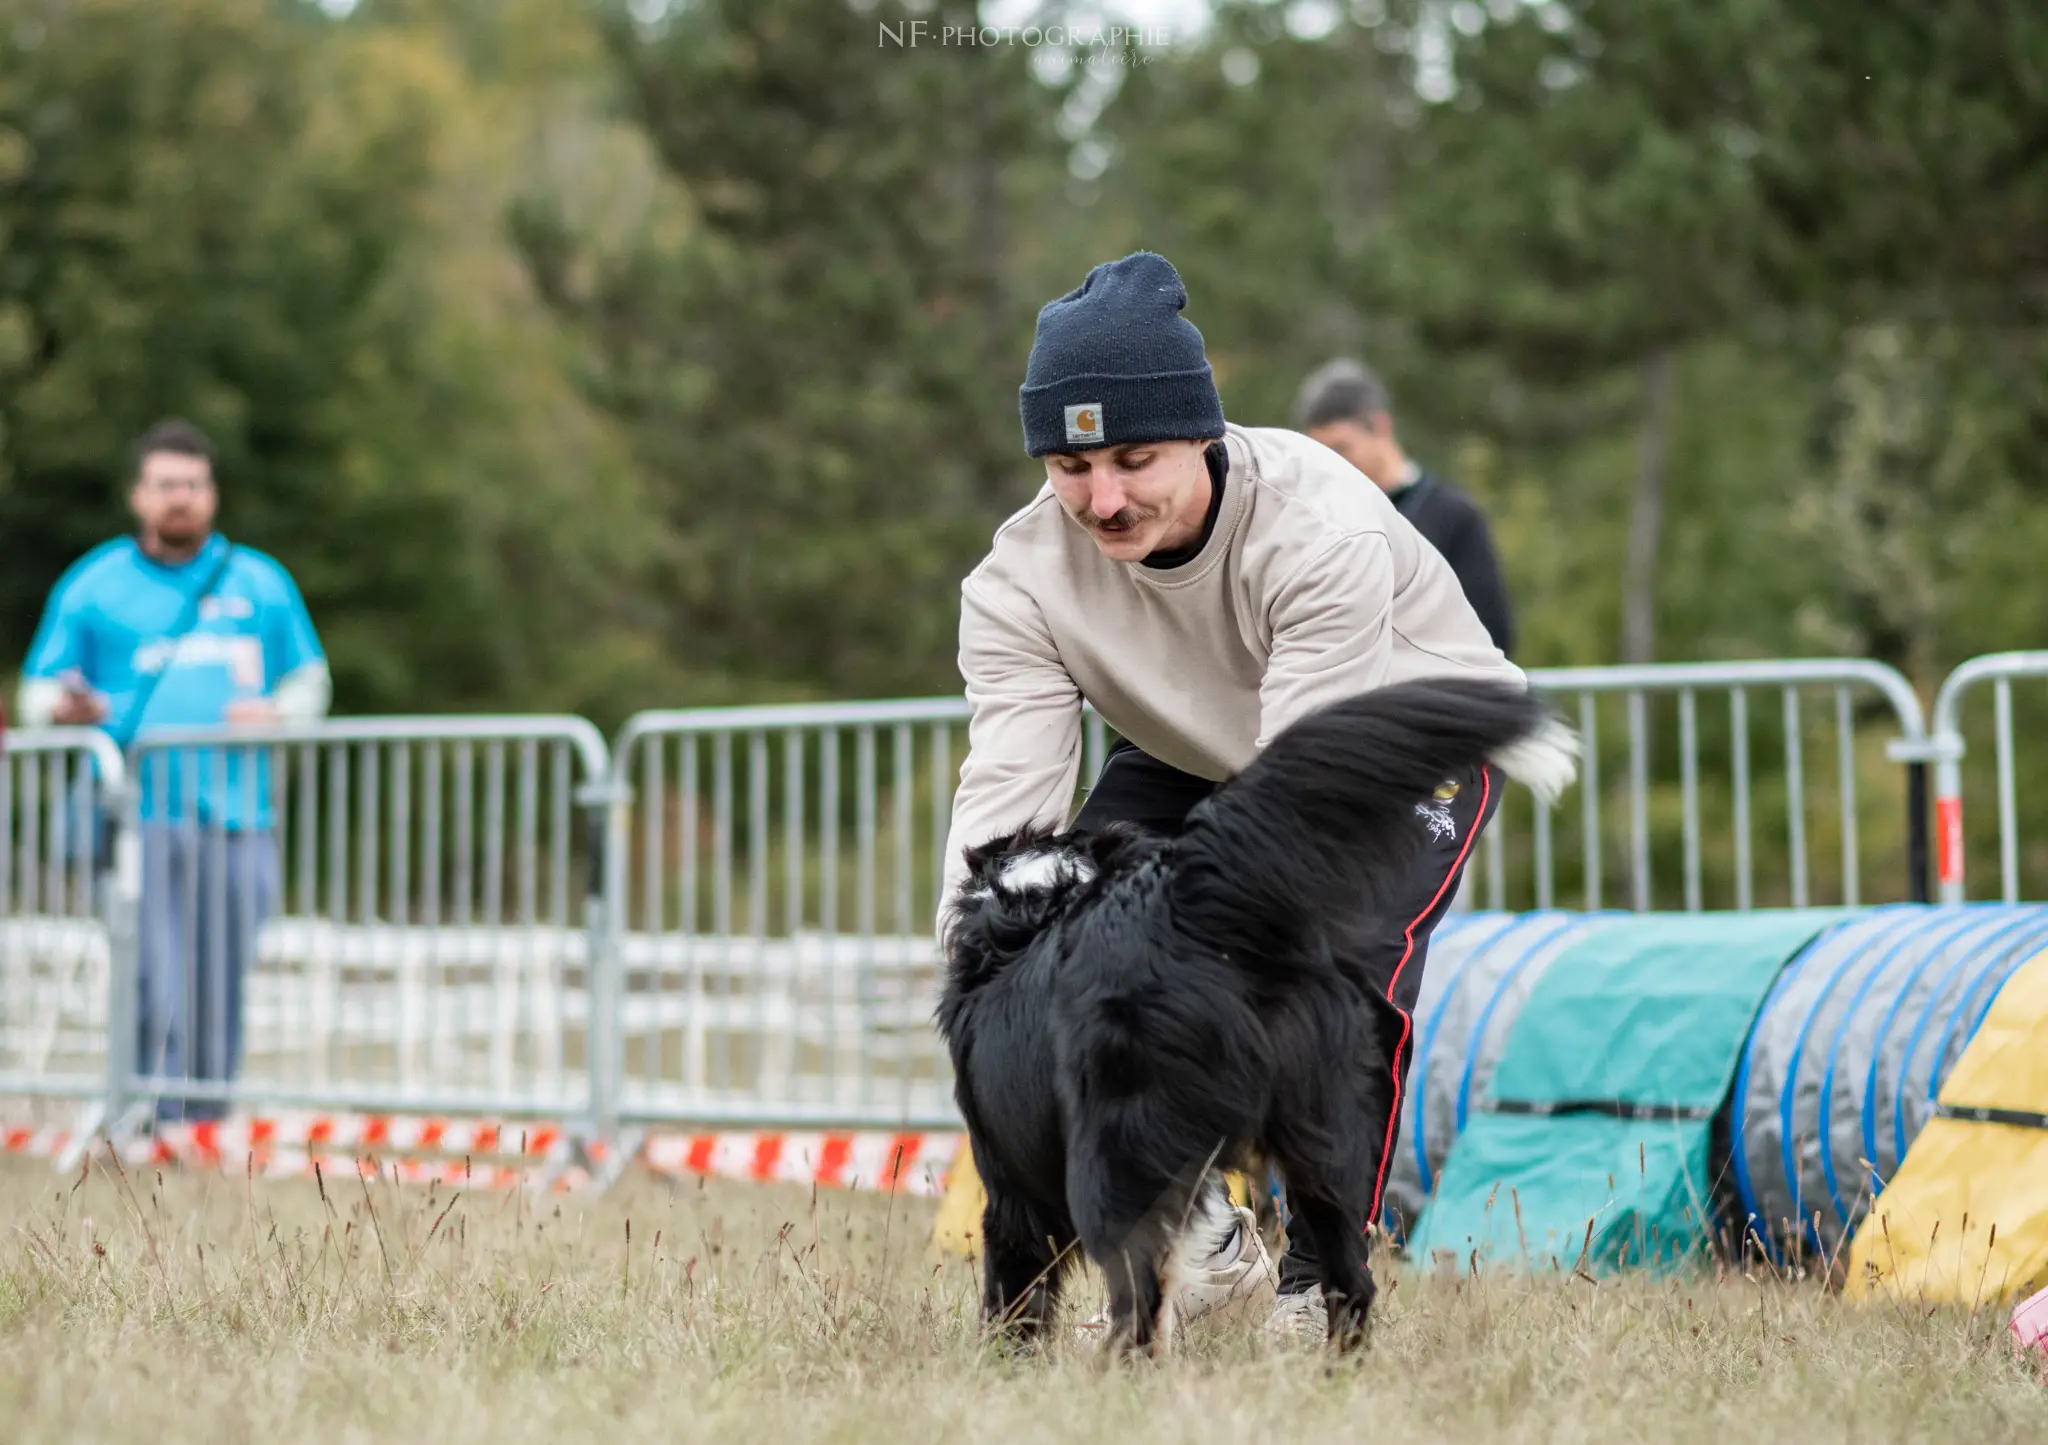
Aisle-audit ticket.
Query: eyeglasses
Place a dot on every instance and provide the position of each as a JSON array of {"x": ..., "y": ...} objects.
[{"x": 178, "y": 484}]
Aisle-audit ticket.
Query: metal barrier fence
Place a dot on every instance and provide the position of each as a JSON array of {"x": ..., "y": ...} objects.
[
  {"x": 67, "y": 909},
  {"x": 777, "y": 882},
  {"x": 1949, "y": 750},
  {"x": 726, "y": 917},
  {"x": 1794, "y": 764},
  {"x": 775, "y": 892},
  {"x": 384, "y": 914},
  {"x": 775, "y": 888}
]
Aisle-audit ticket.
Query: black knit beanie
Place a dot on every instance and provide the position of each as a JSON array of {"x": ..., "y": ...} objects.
[{"x": 1114, "y": 361}]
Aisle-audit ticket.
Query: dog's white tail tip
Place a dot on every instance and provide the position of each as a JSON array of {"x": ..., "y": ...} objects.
[{"x": 1546, "y": 761}]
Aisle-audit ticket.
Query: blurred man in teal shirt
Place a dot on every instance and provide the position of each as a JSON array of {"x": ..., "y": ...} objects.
[{"x": 178, "y": 627}]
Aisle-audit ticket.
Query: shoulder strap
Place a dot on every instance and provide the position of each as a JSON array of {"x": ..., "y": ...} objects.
[{"x": 188, "y": 618}]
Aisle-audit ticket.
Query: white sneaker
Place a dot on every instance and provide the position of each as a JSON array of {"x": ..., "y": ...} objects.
[
  {"x": 1299, "y": 1317},
  {"x": 1205, "y": 1286}
]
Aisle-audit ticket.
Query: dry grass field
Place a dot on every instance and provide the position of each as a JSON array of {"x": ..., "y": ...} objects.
[{"x": 190, "y": 1310}]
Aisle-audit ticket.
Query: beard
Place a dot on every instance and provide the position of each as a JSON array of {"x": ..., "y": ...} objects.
[{"x": 180, "y": 529}]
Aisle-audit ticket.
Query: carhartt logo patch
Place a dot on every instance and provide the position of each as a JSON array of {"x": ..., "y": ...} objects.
[{"x": 1084, "y": 422}]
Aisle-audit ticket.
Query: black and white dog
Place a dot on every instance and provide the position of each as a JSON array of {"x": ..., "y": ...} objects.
[{"x": 1127, "y": 1013}]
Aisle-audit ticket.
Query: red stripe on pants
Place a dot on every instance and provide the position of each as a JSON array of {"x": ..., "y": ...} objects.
[{"x": 1408, "y": 934}]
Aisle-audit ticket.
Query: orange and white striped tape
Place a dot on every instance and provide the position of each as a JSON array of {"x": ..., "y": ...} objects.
[
  {"x": 47, "y": 1142},
  {"x": 341, "y": 1146},
  {"x": 374, "y": 1134},
  {"x": 471, "y": 1153},
  {"x": 910, "y": 1163}
]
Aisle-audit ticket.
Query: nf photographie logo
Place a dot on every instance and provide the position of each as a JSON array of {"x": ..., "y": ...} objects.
[{"x": 910, "y": 34}]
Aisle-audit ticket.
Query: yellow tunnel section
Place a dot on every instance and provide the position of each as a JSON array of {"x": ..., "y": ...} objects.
[{"x": 1965, "y": 1218}]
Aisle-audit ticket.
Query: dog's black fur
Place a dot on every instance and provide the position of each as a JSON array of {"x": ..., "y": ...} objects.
[{"x": 1126, "y": 1011}]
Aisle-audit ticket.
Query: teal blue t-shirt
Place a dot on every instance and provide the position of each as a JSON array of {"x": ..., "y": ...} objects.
[{"x": 110, "y": 620}]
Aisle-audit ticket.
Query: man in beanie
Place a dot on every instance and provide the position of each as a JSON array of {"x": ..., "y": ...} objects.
[{"x": 1202, "y": 585}]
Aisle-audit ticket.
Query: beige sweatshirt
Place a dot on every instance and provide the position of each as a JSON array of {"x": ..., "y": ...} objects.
[{"x": 1311, "y": 587}]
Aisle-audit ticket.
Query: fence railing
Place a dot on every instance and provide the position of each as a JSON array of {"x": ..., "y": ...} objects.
[
  {"x": 1949, "y": 748},
  {"x": 1791, "y": 763},
  {"x": 389, "y": 914},
  {"x": 68, "y": 884},
  {"x": 725, "y": 915},
  {"x": 775, "y": 886}
]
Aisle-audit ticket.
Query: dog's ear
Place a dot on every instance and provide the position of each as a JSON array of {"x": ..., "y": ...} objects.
[
  {"x": 989, "y": 928},
  {"x": 985, "y": 859},
  {"x": 997, "y": 914},
  {"x": 982, "y": 859}
]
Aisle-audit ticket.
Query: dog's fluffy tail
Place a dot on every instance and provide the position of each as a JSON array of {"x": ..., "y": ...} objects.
[{"x": 1326, "y": 816}]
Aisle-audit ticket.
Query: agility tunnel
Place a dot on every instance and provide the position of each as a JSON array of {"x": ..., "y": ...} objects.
[
  {"x": 1666, "y": 1078},
  {"x": 1479, "y": 971},
  {"x": 1965, "y": 1217},
  {"x": 1848, "y": 1057},
  {"x": 1592, "y": 1145}
]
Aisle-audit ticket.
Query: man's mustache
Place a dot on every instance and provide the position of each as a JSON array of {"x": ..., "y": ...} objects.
[{"x": 1124, "y": 517}]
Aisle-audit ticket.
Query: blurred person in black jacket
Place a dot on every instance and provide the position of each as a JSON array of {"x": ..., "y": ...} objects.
[{"x": 1345, "y": 406}]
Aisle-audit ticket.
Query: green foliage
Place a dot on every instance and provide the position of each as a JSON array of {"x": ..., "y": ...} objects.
[
  {"x": 1216, "y": 172},
  {"x": 815, "y": 357},
  {"x": 612, "y": 355},
  {"x": 271, "y": 228}
]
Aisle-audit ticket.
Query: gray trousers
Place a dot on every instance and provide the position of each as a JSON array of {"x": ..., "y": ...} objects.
[{"x": 205, "y": 896}]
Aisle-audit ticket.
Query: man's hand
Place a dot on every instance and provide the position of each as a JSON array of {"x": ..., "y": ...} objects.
[
  {"x": 80, "y": 706},
  {"x": 251, "y": 712}
]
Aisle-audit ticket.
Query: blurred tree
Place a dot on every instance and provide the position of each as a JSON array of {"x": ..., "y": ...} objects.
[
  {"x": 610, "y": 354},
  {"x": 1901, "y": 158},
  {"x": 1206, "y": 162},
  {"x": 214, "y": 208},
  {"x": 1576, "y": 210},
  {"x": 817, "y": 354},
  {"x": 1612, "y": 186},
  {"x": 1902, "y": 165}
]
